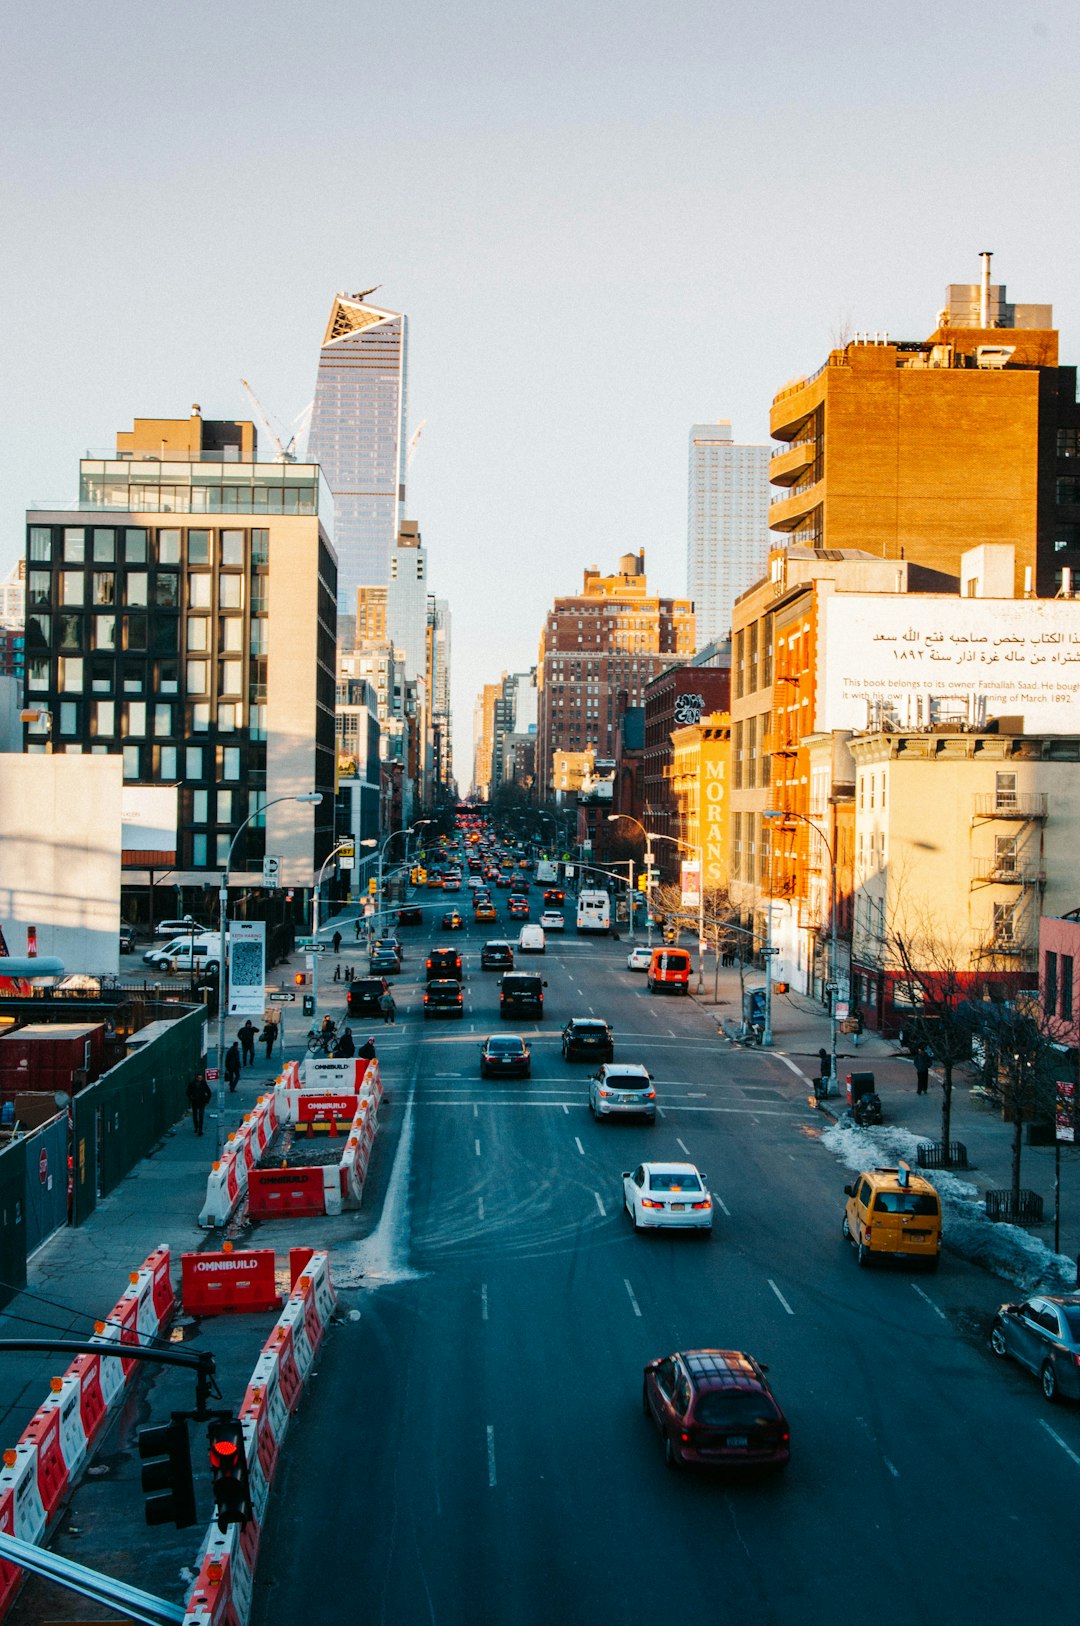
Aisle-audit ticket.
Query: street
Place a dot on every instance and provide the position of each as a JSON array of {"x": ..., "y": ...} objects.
[{"x": 473, "y": 1448}]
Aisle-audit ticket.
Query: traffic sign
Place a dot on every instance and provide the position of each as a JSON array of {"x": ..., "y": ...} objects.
[
  {"x": 317, "y": 948},
  {"x": 212, "y": 1075},
  {"x": 287, "y": 997}
]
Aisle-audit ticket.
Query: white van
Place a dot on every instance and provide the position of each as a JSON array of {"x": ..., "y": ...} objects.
[
  {"x": 531, "y": 940},
  {"x": 201, "y": 953}
]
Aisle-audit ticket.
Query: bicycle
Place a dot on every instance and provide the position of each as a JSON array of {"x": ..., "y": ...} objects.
[{"x": 323, "y": 1042}]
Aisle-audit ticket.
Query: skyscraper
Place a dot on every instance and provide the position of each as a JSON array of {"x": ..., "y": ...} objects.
[
  {"x": 358, "y": 436},
  {"x": 728, "y": 532}
]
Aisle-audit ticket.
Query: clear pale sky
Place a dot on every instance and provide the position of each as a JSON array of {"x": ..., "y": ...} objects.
[{"x": 606, "y": 222}]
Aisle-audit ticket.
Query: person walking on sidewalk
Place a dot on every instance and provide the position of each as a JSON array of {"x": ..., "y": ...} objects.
[
  {"x": 388, "y": 1008},
  {"x": 247, "y": 1035},
  {"x": 199, "y": 1095},
  {"x": 336, "y": 941},
  {"x": 269, "y": 1039},
  {"x": 922, "y": 1071},
  {"x": 232, "y": 1066},
  {"x": 358, "y": 928}
]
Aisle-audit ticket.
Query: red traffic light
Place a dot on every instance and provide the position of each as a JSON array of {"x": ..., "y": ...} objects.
[{"x": 299, "y": 978}]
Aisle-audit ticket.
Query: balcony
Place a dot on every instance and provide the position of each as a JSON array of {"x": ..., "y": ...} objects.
[
  {"x": 787, "y": 513},
  {"x": 1008, "y": 804},
  {"x": 786, "y": 466},
  {"x": 1013, "y": 869}
]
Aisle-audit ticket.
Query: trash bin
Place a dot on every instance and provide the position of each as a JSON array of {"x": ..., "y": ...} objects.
[{"x": 858, "y": 1085}]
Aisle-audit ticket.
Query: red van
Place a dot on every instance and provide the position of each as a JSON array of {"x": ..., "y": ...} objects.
[{"x": 669, "y": 971}]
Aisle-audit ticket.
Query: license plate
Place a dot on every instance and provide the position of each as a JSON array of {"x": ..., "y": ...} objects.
[
  {"x": 678, "y": 1208},
  {"x": 737, "y": 1442}
]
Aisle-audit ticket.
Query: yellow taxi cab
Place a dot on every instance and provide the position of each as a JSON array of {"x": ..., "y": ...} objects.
[{"x": 894, "y": 1213}]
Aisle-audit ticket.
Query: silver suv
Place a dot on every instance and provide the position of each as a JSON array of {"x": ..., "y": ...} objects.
[{"x": 622, "y": 1087}]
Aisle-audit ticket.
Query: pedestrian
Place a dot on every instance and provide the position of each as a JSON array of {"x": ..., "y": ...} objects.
[
  {"x": 199, "y": 1095},
  {"x": 922, "y": 1071},
  {"x": 269, "y": 1038},
  {"x": 247, "y": 1036},
  {"x": 824, "y": 1065},
  {"x": 337, "y": 972},
  {"x": 388, "y": 1008},
  {"x": 232, "y": 1066},
  {"x": 345, "y": 1048},
  {"x": 336, "y": 941},
  {"x": 358, "y": 928},
  {"x": 366, "y": 1051}
]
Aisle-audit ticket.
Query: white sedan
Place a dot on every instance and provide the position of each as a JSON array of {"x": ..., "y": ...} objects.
[
  {"x": 667, "y": 1194},
  {"x": 552, "y": 921},
  {"x": 639, "y": 959}
]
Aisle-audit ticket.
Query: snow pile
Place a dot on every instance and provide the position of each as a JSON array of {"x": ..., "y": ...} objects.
[{"x": 1007, "y": 1250}]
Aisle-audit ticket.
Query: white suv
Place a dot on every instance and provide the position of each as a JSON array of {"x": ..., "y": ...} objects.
[{"x": 622, "y": 1087}]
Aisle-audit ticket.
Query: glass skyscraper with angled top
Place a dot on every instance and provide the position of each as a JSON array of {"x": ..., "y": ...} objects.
[
  {"x": 728, "y": 537},
  {"x": 358, "y": 436}
]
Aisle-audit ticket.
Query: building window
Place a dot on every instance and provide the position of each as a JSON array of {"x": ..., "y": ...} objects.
[
  {"x": 232, "y": 548},
  {"x": 193, "y": 762},
  {"x": 135, "y": 587},
  {"x": 37, "y": 673},
  {"x": 131, "y": 762},
  {"x": 104, "y": 587},
  {"x": 1050, "y": 982},
  {"x": 135, "y": 630},
  {"x": 104, "y": 632},
  {"x": 69, "y": 717},
  {"x": 136, "y": 717},
  {"x": 39, "y": 590},
  {"x": 102, "y": 717},
  {"x": 40, "y": 544},
  {"x": 70, "y": 674},
  {"x": 198, "y": 547},
  {"x": 226, "y": 717},
  {"x": 198, "y": 633},
  {"x": 224, "y": 806},
  {"x": 72, "y": 587},
  {"x": 168, "y": 677},
  {"x": 162, "y": 719},
  {"x": 199, "y": 591},
  {"x": 230, "y": 592},
  {"x": 166, "y": 590},
  {"x": 196, "y": 677},
  {"x": 260, "y": 546},
  {"x": 198, "y": 851},
  {"x": 135, "y": 546},
  {"x": 200, "y": 807},
  {"x": 224, "y": 842},
  {"x": 74, "y": 546},
  {"x": 200, "y": 717},
  {"x": 1065, "y": 1009},
  {"x": 230, "y": 762},
  {"x": 1005, "y": 798},
  {"x": 104, "y": 546},
  {"x": 102, "y": 672},
  {"x": 168, "y": 551},
  {"x": 167, "y": 764}
]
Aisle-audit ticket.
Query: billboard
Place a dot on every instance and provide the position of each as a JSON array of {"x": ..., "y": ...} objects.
[
  {"x": 247, "y": 967},
  {"x": 913, "y": 660},
  {"x": 148, "y": 816},
  {"x": 691, "y": 884}
]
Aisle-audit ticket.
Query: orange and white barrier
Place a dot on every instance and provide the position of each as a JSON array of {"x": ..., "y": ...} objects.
[
  {"x": 225, "y": 1185},
  {"x": 19, "y": 1475},
  {"x": 10, "y": 1574}
]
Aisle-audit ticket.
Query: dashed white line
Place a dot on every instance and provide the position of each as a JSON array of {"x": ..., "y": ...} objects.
[
  {"x": 577, "y": 1143},
  {"x": 476, "y": 1143},
  {"x": 566, "y": 1109},
  {"x": 475, "y": 1109},
  {"x": 780, "y": 1296},
  {"x": 928, "y": 1300},
  {"x": 599, "y": 1204},
  {"x": 483, "y": 1301},
  {"x": 720, "y": 1203},
  {"x": 491, "y": 1455},
  {"x": 1056, "y": 1437},
  {"x": 480, "y": 1206},
  {"x": 634, "y": 1305},
  {"x": 894, "y": 1471},
  {"x": 682, "y": 1144}
]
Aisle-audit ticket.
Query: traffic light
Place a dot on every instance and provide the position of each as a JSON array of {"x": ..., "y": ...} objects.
[
  {"x": 300, "y": 979},
  {"x": 228, "y": 1465},
  {"x": 372, "y": 886},
  {"x": 165, "y": 1451}
]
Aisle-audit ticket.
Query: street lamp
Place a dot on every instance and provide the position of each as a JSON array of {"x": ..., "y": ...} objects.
[
  {"x": 406, "y": 832},
  {"x": 347, "y": 842},
  {"x": 650, "y": 837},
  {"x": 832, "y": 985},
  {"x": 312, "y": 798}
]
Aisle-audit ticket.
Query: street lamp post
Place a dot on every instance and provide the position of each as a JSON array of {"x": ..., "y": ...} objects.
[
  {"x": 832, "y": 985},
  {"x": 406, "y": 831},
  {"x": 650, "y": 837},
  {"x": 312, "y": 798},
  {"x": 315, "y": 891}
]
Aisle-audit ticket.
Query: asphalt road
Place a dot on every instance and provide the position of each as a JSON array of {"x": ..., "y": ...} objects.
[{"x": 473, "y": 1449}]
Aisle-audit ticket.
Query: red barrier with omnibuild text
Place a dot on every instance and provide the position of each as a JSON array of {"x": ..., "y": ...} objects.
[
  {"x": 285, "y": 1191},
  {"x": 242, "y": 1279}
]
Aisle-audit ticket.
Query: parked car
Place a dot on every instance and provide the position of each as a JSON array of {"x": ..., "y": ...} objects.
[
  {"x": 505, "y": 1053},
  {"x": 444, "y": 997},
  {"x": 588, "y": 1038},
  {"x": 620, "y": 1089},
  {"x": 127, "y": 938},
  {"x": 363, "y": 995},
  {"x": 497, "y": 955},
  {"x": 639, "y": 959},
  {"x": 667, "y": 1194},
  {"x": 1043, "y": 1334},
  {"x": 714, "y": 1408}
]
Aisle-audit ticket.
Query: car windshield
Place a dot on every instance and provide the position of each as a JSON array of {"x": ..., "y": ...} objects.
[
  {"x": 905, "y": 1202},
  {"x": 667, "y": 1180},
  {"x": 734, "y": 1408}
]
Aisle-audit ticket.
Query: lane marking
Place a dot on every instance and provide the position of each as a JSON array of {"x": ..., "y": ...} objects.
[
  {"x": 636, "y": 1307},
  {"x": 1056, "y": 1437},
  {"x": 475, "y": 1109},
  {"x": 894, "y": 1471},
  {"x": 566, "y": 1109},
  {"x": 697, "y": 1095},
  {"x": 780, "y": 1296},
  {"x": 491, "y": 1455},
  {"x": 787, "y": 1061},
  {"x": 480, "y": 1206},
  {"x": 928, "y": 1300},
  {"x": 477, "y": 1145},
  {"x": 483, "y": 1301},
  {"x": 660, "y": 1113},
  {"x": 683, "y": 1145},
  {"x": 720, "y": 1203},
  {"x": 577, "y": 1143},
  {"x": 600, "y": 1204}
]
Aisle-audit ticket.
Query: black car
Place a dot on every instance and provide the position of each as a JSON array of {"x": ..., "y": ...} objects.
[
  {"x": 444, "y": 997},
  {"x": 443, "y": 963},
  {"x": 554, "y": 897},
  {"x": 364, "y": 994},
  {"x": 521, "y": 993},
  {"x": 505, "y": 1053},
  {"x": 127, "y": 939},
  {"x": 497, "y": 956},
  {"x": 384, "y": 961},
  {"x": 586, "y": 1037},
  {"x": 412, "y": 916}
]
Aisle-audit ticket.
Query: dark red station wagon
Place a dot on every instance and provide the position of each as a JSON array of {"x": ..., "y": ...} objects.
[{"x": 714, "y": 1408}]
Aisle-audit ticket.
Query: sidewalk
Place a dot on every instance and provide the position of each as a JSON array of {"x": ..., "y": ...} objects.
[{"x": 801, "y": 1028}]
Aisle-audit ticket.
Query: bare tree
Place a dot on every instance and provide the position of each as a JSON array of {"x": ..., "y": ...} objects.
[
  {"x": 1021, "y": 1063},
  {"x": 934, "y": 979}
]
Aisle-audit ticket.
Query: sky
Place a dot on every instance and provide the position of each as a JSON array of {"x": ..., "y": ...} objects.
[{"x": 606, "y": 222}]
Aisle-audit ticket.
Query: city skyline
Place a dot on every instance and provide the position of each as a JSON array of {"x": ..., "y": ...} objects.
[{"x": 516, "y": 195}]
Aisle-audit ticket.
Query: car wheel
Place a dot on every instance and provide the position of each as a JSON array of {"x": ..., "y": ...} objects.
[
  {"x": 862, "y": 1257},
  {"x": 997, "y": 1340},
  {"x": 845, "y": 1229},
  {"x": 672, "y": 1459},
  {"x": 1048, "y": 1379}
]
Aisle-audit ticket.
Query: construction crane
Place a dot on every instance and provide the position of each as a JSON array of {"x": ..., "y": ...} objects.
[
  {"x": 414, "y": 440},
  {"x": 284, "y": 451}
]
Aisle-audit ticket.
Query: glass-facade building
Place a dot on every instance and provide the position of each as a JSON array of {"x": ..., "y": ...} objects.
[
  {"x": 358, "y": 436},
  {"x": 728, "y": 538}
]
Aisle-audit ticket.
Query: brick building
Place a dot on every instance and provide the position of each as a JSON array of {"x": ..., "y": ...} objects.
[{"x": 674, "y": 699}]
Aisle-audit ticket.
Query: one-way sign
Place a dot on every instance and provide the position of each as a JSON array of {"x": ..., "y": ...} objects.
[{"x": 285, "y": 998}]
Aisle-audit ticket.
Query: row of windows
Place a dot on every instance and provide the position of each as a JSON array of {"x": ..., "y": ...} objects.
[{"x": 78, "y": 544}]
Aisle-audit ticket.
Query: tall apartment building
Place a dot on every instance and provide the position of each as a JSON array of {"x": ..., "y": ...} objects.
[
  {"x": 598, "y": 650},
  {"x": 183, "y": 617},
  {"x": 407, "y": 599},
  {"x": 921, "y": 449},
  {"x": 728, "y": 538},
  {"x": 484, "y": 737},
  {"x": 674, "y": 699},
  {"x": 358, "y": 436},
  {"x": 439, "y": 649}
]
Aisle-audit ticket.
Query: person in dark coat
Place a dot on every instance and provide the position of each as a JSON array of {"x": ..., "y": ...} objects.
[
  {"x": 345, "y": 1047},
  {"x": 247, "y": 1036},
  {"x": 232, "y": 1066},
  {"x": 336, "y": 941},
  {"x": 366, "y": 1051},
  {"x": 824, "y": 1064},
  {"x": 269, "y": 1038},
  {"x": 922, "y": 1071},
  {"x": 199, "y": 1095}
]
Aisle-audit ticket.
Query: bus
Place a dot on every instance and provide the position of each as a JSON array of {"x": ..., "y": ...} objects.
[{"x": 593, "y": 912}]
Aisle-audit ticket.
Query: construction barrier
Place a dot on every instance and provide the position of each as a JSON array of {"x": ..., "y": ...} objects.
[
  {"x": 225, "y": 1185},
  {"x": 298, "y": 1258},
  {"x": 237, "y": 1280},
  {"x": 42, "y": 1434},
  {"x": 10, "y": 1574},
  {"x": 87, "y": 1369},
  {"x": 273, "y": 1192},
  {"x": 315, "y": 1112},
  {"x": 20, "y": 1476},
  {"x": 73, "y": 1438},
  {"x": 221, "y": 1595}
]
